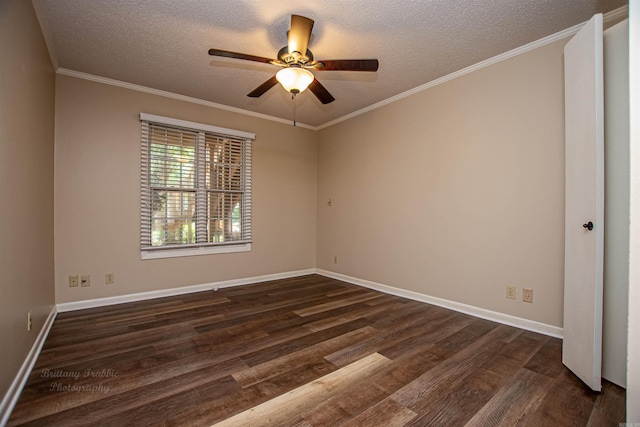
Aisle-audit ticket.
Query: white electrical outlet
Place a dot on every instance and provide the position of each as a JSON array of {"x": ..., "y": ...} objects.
[
  {"x": 511, "y": 292},
  {"x": 85, "y": 280},
  {"x": 527, "y": 295},
  {"x": 109, "y": 278},
  {"x": 73, "y": 281},
  {"x": 29, "y": 321}
]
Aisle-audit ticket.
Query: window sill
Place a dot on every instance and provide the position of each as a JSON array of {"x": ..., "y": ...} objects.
[{"x": 207, "y": 250}]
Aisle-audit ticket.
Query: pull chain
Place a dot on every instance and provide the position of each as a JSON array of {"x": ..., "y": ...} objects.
[{"x": 293, "y": 98}]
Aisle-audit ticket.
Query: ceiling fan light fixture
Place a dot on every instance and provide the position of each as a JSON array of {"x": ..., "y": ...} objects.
[
  {"x": 294, "y": 79},
  {"x": 296, "y": 59}
]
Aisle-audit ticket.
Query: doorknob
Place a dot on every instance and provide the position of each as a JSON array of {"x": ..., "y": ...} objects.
[{"x": 588, "y": 226}]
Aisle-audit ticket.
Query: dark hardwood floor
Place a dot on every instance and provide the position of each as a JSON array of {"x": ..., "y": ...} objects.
[{"x": 306, "y": 351}]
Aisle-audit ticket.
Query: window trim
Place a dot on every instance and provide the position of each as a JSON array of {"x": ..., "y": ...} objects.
[
  {"x": 188, "y": 249},
  {"x": 195, "y": 126},
  {"x": 175, "y": 252}
]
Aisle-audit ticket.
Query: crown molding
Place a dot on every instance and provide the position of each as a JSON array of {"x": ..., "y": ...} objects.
[
  {"x": 619, "y": 13},
  {"x": 46, "y": 35},
  {"x": 613, "y": 15},
  {"x": 145, "y": 89}
]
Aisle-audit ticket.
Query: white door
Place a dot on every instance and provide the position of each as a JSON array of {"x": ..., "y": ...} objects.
[{"x": 584, "y": 203}]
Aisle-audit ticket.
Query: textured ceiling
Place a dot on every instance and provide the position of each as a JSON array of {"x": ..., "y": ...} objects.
[{"x": 163, "y": 44}]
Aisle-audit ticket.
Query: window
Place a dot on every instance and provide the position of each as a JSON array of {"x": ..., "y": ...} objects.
[{"x": 195, "y": 188}]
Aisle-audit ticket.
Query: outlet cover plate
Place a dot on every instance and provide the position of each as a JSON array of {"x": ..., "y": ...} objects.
[
  {"x": 109, "y": 279},
  {"x": 85, "y": 281}
]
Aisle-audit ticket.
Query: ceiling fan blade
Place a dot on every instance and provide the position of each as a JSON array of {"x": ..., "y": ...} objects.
[
  {"x": 260, "y": 90},
  {"x": 299, "y": 34},
  {"x": 321, "y": 92},
  {"x": 228, "y": 54},
  {"x": 347, "y": 65}
]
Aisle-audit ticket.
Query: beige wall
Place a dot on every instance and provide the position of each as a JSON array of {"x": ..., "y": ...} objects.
[
  {"x": 455, "y": 192},
  {"x": 98, "y": 188},
  {"x": 26, "y": 184}
]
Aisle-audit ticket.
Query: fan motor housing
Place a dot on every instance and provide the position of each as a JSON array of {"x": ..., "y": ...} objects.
[{"x": 294, "y": 57}]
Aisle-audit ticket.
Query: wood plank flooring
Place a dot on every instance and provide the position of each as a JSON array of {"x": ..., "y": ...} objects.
[{"x": 306, "y": 351}]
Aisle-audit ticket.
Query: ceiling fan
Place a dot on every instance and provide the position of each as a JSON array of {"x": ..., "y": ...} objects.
[{"x": 296, "y": 61}]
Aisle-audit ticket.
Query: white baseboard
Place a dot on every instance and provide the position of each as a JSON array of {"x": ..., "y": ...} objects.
[
  {"x": 506, "y": 319},
  {"x": 11, "y": 397},
  {"x": 518, "y": 322},
  {"x": 102, "y": 302}
]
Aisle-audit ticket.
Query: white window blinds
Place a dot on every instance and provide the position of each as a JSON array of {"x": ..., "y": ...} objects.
[{"x": 195, "y": 185}]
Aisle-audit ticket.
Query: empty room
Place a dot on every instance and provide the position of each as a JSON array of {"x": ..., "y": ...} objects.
[{"x": 336, "y": 213}]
